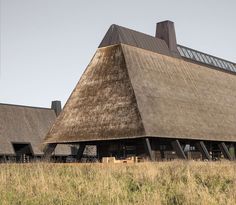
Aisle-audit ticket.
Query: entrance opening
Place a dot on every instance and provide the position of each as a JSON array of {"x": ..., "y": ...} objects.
[{"x": 23, "y": 152}]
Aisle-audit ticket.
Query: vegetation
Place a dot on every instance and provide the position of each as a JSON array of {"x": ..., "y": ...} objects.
[{"x": 173, "y": 182}]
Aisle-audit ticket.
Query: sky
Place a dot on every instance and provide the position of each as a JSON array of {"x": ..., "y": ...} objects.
[{"x": 47, "y": 44}]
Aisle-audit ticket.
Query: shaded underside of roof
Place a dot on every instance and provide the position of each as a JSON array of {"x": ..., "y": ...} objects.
[
  {"x": 22, "y": 124},
  {"x": 128, "y": 92},
  {"x": 118, "y": 34}
]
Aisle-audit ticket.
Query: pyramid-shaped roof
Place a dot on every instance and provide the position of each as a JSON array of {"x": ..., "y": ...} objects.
[{"x": 130, "y": 92}]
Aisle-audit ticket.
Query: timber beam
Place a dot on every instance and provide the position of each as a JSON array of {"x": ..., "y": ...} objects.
[
  {"x": 148, "y": 149},
  {"x": 80, "y": 151},
  {"x": 48, "y": 150},
  {"x": 234, "y": 150},
  {"x": 224, "y": 149},
  {"x": 178, "y": 149},
  {"x": 202, "y": 148}
]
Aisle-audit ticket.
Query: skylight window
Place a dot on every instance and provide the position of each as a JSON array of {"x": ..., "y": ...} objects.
[{"x": 205, "y": 58}]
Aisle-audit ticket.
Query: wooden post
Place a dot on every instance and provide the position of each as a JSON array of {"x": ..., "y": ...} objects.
[
  {"x": 48, "y": 150},
  {"x": 80, "y": 151},
  {"x": 148, "y": 149},
  {"x": 202, "y": 148},
  {"x": 178, "y": 149},
  {"x": 224, "y": 149}
]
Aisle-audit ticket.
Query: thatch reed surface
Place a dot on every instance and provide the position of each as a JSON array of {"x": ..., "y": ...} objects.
[
  {"x": 179, "y": 99},
  {"x": 131, "y": 92},
  {"x": 103, "y": 104},
  {"x": 21, "y": 124}
]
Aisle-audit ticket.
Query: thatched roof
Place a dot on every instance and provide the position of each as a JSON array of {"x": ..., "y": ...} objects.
[
  {"x": 22, "y": 124},
  {"x": 129, "y": 92}
]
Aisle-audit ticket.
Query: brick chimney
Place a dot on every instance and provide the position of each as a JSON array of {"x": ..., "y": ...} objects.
[
  {"x": 165, "y": 30},
  {"x": 56, "y": 106}
]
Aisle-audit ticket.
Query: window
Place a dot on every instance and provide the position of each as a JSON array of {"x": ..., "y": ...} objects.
[{"x": 207, "y": 59}]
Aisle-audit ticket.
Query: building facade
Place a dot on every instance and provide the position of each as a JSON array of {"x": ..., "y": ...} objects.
[
  {"x": 147, "y": 96},
  {"x": 22, "y": 130}
]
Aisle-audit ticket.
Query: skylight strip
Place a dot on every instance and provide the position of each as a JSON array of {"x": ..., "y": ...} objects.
[{"x": 205, "y": 58}]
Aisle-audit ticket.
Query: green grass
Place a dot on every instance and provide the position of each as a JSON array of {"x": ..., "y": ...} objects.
[{"x": 173, "y": 182}]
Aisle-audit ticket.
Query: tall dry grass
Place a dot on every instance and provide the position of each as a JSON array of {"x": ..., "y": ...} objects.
[{"x": 174, "y": 182}]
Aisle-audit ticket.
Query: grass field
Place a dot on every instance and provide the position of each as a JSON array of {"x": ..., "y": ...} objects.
[{"x": 173, "y": 182}]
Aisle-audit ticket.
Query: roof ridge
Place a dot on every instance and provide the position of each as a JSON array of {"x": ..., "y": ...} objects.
[
  {"x": 118, "y": 34},
  {"x": 123, "y": 27},
  {"x": 25, "y": 106}
]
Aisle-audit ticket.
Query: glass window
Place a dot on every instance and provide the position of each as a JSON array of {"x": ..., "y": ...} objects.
[
  {"x": 200, "y": 57},
  {"x": 190, "y": 53},
  {"x": 213, "y": 61},
  {"x": 205, "y": 59},
  {"x": 185, "y": 53},
  {"x": 209, "y": 60},
  {"x": 217, "y": 63},
  {"x": 233, "y": 67},
  {"x": 226, "y": 65},
  {"x": 221, "y": 64},
  {"x": 181, "y": 52},
  {"x": 195, "y": 56}
]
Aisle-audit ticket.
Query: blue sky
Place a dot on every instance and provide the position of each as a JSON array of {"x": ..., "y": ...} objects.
[{"x": 47, "y": 44}]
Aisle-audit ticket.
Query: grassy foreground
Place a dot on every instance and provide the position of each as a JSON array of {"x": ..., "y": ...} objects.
[{"x": 174, "y": 182}]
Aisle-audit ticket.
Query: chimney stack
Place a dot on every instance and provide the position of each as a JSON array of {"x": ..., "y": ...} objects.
[
  {"x": 56, "y": 106},
  {"x": 165, "y": 30}
]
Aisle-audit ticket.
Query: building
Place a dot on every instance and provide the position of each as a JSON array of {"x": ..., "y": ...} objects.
[
  {"x": 150, "y": 97},
  {"x": 22, "y": 130}
]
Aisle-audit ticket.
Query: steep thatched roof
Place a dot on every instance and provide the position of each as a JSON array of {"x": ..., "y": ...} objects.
[
  {"x": 129, "y": 92},
  {"x": 103, "y": 103},
  {"x": 178, "y": 99},
  {"x": 22, "y": 124}
]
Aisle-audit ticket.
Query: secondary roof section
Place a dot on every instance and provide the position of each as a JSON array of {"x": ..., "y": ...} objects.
[
  {"x": 164, "y": 43},
  {"x": 23, "y": 124}
]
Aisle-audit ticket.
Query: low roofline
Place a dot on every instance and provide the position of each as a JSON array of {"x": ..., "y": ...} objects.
[{"x": 25, "y": 106}]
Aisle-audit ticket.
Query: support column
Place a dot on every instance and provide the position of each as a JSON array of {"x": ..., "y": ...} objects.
[
  {"x": 148, "y": 149},
  {"x": 80, "y": 151},
  {"x": 178, "y": 149},
  {"x": 233, "y": 147},
  {"x": 202, "y": 148},
  {"x": 48, "y": 150},
  {"x": 224, "y": 149}
]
